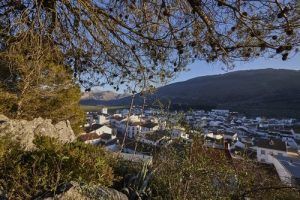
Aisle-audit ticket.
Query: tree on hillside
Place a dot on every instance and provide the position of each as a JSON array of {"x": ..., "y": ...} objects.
[
  {"x": 146, "y": 42},
  {"x": 35, "y": 83}
]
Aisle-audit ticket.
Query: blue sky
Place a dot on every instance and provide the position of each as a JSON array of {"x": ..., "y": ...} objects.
[{"x": 201, "y": 68}]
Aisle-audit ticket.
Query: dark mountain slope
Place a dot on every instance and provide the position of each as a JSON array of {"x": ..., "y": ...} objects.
[{"x": 269, "y": 92}]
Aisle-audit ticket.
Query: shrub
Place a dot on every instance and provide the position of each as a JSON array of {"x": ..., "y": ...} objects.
[
  {"x": 197, "y": 172},
  {"x": 30, "y": 174}
]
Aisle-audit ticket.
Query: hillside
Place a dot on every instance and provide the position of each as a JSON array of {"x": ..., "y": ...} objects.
[{"x": 267, "y": 92}]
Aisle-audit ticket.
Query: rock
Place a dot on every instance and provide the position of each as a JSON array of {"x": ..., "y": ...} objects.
[
  {"x": 3, "y": 118},
  {"x": 84, "y": 192},
  {"x": 65, "y": 131},
  {"x": 24, "y": 131},
  {"x": 108, "y": 193},
  {"x": 73, "y": 193}
]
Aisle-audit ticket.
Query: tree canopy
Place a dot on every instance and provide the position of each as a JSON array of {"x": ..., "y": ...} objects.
[
  {"x": 118, "y": 42},
  {"x": 35, "y": 83}
]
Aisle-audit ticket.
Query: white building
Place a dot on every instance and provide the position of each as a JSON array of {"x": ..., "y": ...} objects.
[
  {"x": 103, "y": 129},
  {"x": 228, "y": 135},
  {"x": 267, "y": 148},
  {"x": 215, "y": 123},
  {"x": 116, "y": 121},
  {"x": 288, "y": 169},
  {"x": 89, "y": 138},
  {"x": 149, "y": 126},
  {"x": 102, "y": 119},
  {"x": 214, "y": 136},
  {"x": 104, "y": 110},
  {"x": 95, "y": 139},
  {"x": 178, "y": 132},
  {"x": 220, "y": 112},
  {"x": 133, "y": 129}
]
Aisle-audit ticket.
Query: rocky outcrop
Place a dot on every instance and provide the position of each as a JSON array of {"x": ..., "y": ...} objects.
[{"x": 24, "y": 131}]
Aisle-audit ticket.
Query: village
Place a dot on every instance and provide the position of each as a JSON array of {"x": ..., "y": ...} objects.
[{"x": 138, "y": 134}]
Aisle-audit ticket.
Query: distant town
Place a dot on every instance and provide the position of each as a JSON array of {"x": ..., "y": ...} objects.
[{"x": 138, "y": 134}]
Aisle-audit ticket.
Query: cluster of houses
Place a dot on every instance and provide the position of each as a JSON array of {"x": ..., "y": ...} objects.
[
  {"x": 136, "y": 136},
  {"x": 269, "y": 141},
  {"x": 139, "y": 135}
]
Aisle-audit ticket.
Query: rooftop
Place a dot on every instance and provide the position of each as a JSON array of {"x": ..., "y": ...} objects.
[
  {"x": 149, "y": 124},
  {"x": 105, "y": 136},
  {"x": 88, "y": 136},
  {"x": 93, "y": 127},
  {"x": 275, "y": 144},
  {"x": 118, "y": 118}
]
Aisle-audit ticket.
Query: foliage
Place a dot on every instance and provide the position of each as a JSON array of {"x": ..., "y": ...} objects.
[
  {"x": 146, "y": 42},
  {"x": 136, "y": 178},
  {"x": 137, "y": 186},
  {"x": 30, "y": 174},
  {"x": 34, "y": 83},
  {"x": 201, "y": 173}
]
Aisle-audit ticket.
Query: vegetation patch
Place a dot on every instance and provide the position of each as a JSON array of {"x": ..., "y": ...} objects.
[{"x": 31, "y": 174}]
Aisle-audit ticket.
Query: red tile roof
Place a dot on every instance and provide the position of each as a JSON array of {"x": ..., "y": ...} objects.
[{"x": 88, "y": 136}]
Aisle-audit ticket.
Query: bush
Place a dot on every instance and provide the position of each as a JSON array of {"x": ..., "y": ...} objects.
[
  {"x": 197, "y": 172},
  {"x": 30, "y": 174}
]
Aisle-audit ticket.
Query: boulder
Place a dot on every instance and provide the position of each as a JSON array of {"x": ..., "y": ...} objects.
[
  {"x": 24, "y": 131},
  {"x": 84, "y": 192}
]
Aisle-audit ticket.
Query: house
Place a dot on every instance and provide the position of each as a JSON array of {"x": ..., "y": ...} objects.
[
  {"x": 89, "y": 138},
  {"x": 116, "y": 121},
  {"x": 214, "y": 123},
  {"x": 92, "y": 127},
  {"x": 104, "y": 129},
  {"x": 229, "y": 135},
  {"x": 213, "y": 136},
  {"x": 94, "y": 138},
  {"x": 220, "y": 112},
  {"x": 134, "y": 118},
  {"x": 214, "y": 140},
  {"x": 266, "y": 148},
  {"x": 102, "y": 119},
  {"x": 104, "y": 110},
  {"x": 99, "y": 129},
  {"x": 155, "y": 138},
  {"x": 178, "y": 132},
  {"x": 288, "y": 169},
  {"x": 149, "y": 126},
  {"x": 107, "y": 138},
  {"x": 133, "y": 129}
]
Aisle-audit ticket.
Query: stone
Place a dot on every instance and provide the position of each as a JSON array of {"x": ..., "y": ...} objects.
[
  {"x": 25, "y": 131},
  {"x": 84, "y": 192}
]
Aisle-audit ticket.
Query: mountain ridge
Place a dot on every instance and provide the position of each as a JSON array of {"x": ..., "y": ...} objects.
[
  {"x": 267, "y": 92},
  {"x": 102, "y": 95}
]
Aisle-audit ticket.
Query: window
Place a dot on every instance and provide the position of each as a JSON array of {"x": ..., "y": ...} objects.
[{"x": 263, "y": 152}]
